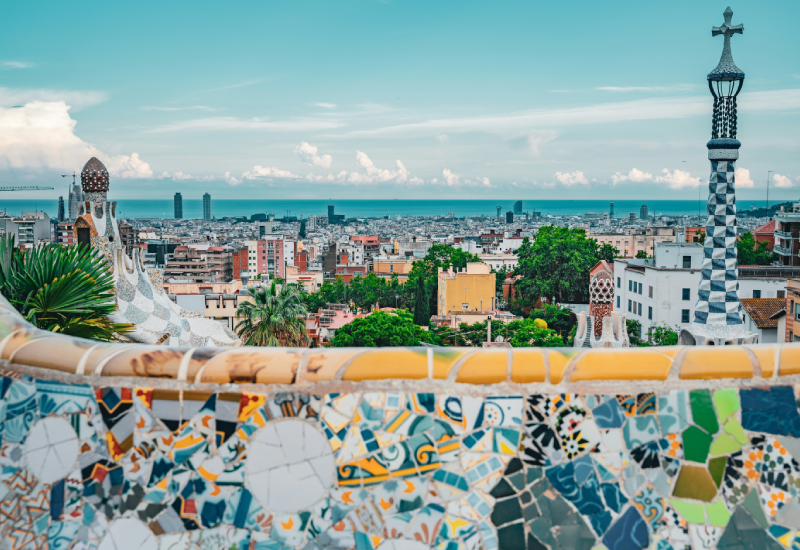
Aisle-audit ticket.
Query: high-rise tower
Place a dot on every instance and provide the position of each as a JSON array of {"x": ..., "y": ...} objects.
[
  {"x": 178, "y": 206},
  {"x": 206, "y": 206},
  {"x": 718, "y": 314}
]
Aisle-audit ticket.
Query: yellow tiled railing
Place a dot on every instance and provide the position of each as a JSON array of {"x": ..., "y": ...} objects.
[{"x": 24, "y": 345}]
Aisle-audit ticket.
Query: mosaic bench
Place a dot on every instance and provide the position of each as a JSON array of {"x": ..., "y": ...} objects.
[{"x": 118, "y": 447}]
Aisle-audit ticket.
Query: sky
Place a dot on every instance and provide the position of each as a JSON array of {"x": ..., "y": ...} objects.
[{"x": 393, "y": 99}]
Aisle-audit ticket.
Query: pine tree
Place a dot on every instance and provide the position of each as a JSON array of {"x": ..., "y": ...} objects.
[{"x": 422, "y": 316}]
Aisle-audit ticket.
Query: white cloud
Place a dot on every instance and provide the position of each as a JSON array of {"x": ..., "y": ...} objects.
[
  {"x": 781, "y": 181},
  {"x": 75, "y": 101},
  {"x": 678, "y": 179},
  {"x": 450, "y": 178},
  {"x": 233, "y": 123},
  {"x": 634, "y": 175},
  {"x": 41, "y": 136},
  {"x": 570, "y": 179},
  {"x": 743, "y": 178},
  {"x": 124, "y": 166},
  {"x": 612, "y": 112},
  {"x": 180, "y": 176},
  {"x": 486, "y": 183},
  {"x": 325, "y": 105},
  {"x": 416, "y": 181},
  {"x": 317, "y": 178},
  {"x": 373, "y": 174},
  {"x": 231, "y": 180},
  {"x": 435, "y": 181},
  {"x": 188, "y": 108},
  {"x": 267, "y": 172},
  {"x": 16, "y": 65},
  {"x": 309, "y": 155},
  {"x": 675, "y": 88}
]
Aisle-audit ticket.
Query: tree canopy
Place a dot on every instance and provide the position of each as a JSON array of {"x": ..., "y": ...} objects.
[
  {"x": 380, "y": 329},
  {"x": 362, "y": 293},
  {"x": 556, "y": 264},
  {"x": 750, "y": 252}
]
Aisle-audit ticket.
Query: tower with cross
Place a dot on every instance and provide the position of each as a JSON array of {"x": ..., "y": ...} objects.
[{"x": 718, "y": 313}]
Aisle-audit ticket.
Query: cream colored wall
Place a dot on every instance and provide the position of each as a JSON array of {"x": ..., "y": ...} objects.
[{"x": 480, "y": 289}]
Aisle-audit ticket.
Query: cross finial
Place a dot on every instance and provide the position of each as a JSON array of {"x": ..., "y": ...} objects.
[
  {"x": 727, "y": 29},
  {"x": 727, "y": 69}
]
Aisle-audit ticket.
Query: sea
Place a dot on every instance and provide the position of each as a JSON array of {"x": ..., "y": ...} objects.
[{"x": 193, "y": 209}]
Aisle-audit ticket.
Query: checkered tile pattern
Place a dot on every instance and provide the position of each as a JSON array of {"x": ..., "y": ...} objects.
[{"x": 718, "y": 302}]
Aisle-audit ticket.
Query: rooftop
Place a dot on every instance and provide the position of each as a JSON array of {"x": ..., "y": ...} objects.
[{"x": 761, "y": 310}]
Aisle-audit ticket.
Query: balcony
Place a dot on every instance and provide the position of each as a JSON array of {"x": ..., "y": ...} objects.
[
  {"x": 784, "y": 234},
  {"x": 787, "y": 216},
  {"x": 781, "y": 251}
]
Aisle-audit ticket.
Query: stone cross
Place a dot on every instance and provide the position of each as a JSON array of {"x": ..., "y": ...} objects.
[{"x": 727, "y": 29}]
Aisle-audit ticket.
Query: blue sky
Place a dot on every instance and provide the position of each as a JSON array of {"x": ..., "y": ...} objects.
[{"x": 394, "y": 99}]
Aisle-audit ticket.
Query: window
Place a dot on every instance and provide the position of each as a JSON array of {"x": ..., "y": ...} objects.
[
  {"x": 640, "y": 288},
  {"x": 619, "y": 282},
  {"x": 617, "y": 302},
  {"x": 651, "y": 291},
  {"x": 640, "y": 309},
  {"x": 391, "y": 268},
  {"x": 650, "y": 312},
  {"x": 630, "y": 284},
  {"x": 756, "y": 294},
  {"x": 781, "y": 294},
  {"x": 686, "y": 294},
  {"x": 629, "y": 305},
  {"x": 464, "y": 306},
  {"x": 687, "y": 262},
  {"x": 684, "y": 316}
]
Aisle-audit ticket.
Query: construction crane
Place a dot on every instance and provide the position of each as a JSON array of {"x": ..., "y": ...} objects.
[{"x": 26, "y": 188}]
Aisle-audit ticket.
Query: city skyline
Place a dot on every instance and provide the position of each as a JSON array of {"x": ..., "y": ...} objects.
[{"x": 392, "y": 104}]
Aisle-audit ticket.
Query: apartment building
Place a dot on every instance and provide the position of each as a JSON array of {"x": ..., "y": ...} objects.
[
  {"x": 214, "y": 264},
  {"x": 664, "y": 289},
  {"x": 633, "y": 241},
  {"x": 270, "y": 256},
  {"x": 787, "y": 236},
  {"x": 466, "y": 290}
]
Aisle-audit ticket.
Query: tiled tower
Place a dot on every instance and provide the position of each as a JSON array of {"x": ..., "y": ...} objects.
[{"x": 717, "y": 317}]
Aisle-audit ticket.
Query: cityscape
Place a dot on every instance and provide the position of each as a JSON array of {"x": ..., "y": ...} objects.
[{"x": 510, "y": 338}]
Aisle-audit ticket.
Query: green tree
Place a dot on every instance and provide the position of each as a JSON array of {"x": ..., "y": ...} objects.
[
  {"x": 750, "y": 252},
  {"x": 606, "y": 252},
  {"x": 500, "y": 276},
  {"x": 61, "y": 289},
  {"x": 662, "y": 335},
  {"x": 273, "y": 319},
  {"x": 380, "y": 329},
  {"x": 558, "y": 318},
  {"x": 519, "y": 333},
  {"x": 557, "y": 264},
  {"x": 362, "y": 293},
  {"x": 438, "y": 255},
  {"x": 635, "y": 333},
  {"x": 642, "y": 255},
  {"x": 422, "y": 315}
]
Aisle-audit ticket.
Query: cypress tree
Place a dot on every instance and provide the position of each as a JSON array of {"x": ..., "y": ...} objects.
[{"x": 422, "y": 316}]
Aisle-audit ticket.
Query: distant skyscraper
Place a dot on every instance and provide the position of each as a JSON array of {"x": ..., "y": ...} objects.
[
  {"x": 643, "y": 214},
  {"x": 60, "y": 209},
  {"x": 509, "y": 217},
  {"x": 74, "y": 200},
  {"x": 179, "y": 206},
  {"x": 632, "y": 216},
  {"x": 498, "y": 211},
  {"x": 611, "y": 211},
  {"x": 206, "y": 206},
  {"x": 518, "y": 207},
  {"x": 331, "y": 213}
]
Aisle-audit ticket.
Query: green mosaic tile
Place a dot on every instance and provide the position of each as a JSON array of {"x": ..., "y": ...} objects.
[
  {"x": 696, "y": 444},
  {"x": 733, "y": 427},
  {"x": 718, "y": 514},
  {"x": 716, "y": 467},
  {"x": 724, "y": 444},
  {"x": 691, "y": 511},
  {"x": 726, "y": 402},
  {"x": 703, "y": 410},
  {"x": 696, "y": 483},
  {"x": 753, "y": 505}
]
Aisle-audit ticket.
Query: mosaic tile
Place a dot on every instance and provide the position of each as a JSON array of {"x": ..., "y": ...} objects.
[{"x": 351, "y": 470}]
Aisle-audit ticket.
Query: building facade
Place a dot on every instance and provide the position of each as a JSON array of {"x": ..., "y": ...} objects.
[
  {"x": 206, "y": 206},
  {"x": 472, "y": 289},
  {"x": 178, "y": 206}
]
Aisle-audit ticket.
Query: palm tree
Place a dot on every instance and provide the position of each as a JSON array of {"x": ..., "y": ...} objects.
[
  {"x": 61, "y": 289},
  {"x": 273, "y": 318}
]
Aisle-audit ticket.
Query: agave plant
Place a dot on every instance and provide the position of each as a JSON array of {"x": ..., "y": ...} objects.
[
  {"x": 60, "y": 289},
  {"x": 273, "y": 319}
]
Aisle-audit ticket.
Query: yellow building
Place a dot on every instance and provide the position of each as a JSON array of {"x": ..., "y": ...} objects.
[
  {"x": 469, "y": 290},
  {"x": 388, "y": 266}
]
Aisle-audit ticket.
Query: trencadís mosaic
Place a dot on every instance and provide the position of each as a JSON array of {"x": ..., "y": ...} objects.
[{"x": 120, "y": 468}]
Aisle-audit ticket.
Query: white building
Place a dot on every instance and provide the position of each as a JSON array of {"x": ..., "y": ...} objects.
[
  {"x": 664, "y": 289},
  {"x": 500, "y": 261}
]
